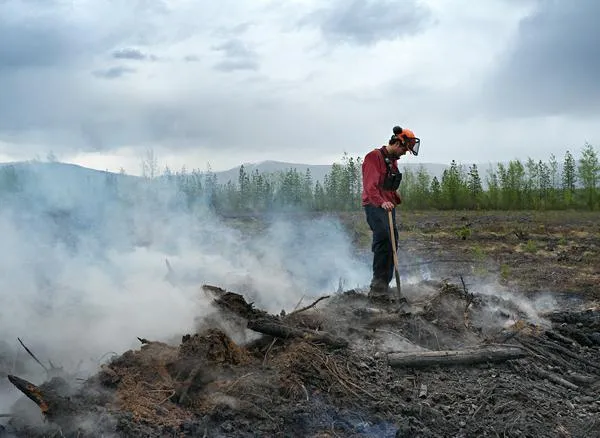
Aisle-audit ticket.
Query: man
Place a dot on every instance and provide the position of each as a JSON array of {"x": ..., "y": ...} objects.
[{"x": 381, "y": 179}]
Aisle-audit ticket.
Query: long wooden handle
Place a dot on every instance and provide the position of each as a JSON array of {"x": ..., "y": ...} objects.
[{"x": 393, "y": 237}]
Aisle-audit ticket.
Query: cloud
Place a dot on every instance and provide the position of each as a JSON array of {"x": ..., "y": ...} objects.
[
  {"x": 113, "y": 72},
  {"x": 238, "y": 56},
  {"x": 554, "y": 64},
  {"x": 367, "y": 22},
  {"x": 191, "y": 58},
  {"x": 249, "y": 83},
  {"x": 133, "y": 54},
  {"x": 34, "y": 41},
  {"x": 57, "y": 33}
]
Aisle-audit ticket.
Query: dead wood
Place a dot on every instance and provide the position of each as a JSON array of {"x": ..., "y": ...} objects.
[
  {"x": 33, "y": 355},
  {"x": 543, "y": 354},
  {"x": 215, "y": 290},
  {"x": 586, "y": 317},
  {"x": 419, "y": 359},
  {"x": 580, "y": 379},
  {"x": 51, "y": 397},
  {"x": 560, "y": 338},
  {"x": 310, "y": 306},
  {"x": 368, "y": 311},
  {"x": 236, "y": 304},
  {"x": 553, "y": 378},
  {"x": 271, "y": 328},
  {"x": 560, "y": 349},
  {"x": 577, "y": 335}
]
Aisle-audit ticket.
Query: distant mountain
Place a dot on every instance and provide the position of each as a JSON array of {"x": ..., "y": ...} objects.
[
  {"x": 63, "y": 185},
  {"x": 66, "y": 169},
  {"x": 318, "y": 171},
  {"x": 70, "y": 175}
]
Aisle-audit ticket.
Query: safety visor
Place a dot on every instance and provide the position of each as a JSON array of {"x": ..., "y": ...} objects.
[{"x": 413, "y": 143}]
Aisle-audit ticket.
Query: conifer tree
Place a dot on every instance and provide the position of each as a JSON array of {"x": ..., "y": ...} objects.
[
  {"x": 589, "y": 174},
  {"x": 569, "y": 178}
]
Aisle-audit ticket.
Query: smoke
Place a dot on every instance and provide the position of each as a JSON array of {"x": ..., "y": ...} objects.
[
  {"x": 502, "y": 300},
  {"x": 84, "y": 271}
]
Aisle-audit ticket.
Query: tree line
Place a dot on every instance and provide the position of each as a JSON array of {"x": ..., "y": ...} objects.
[{"x": 574, "y": 183}]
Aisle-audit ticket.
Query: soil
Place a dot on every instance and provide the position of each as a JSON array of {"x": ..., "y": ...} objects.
[
  {"x": 534, "y": 252},
  {"x": 303, "y": 382}
]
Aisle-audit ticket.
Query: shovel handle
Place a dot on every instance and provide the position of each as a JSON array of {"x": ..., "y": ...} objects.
[{"x": 393, "y": 238}]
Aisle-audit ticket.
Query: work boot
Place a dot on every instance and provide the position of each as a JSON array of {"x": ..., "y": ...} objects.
[{"x": 379, "y": 291}]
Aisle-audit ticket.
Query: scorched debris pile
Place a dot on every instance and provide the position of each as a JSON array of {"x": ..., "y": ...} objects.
[{"x": 455, "y": 363}]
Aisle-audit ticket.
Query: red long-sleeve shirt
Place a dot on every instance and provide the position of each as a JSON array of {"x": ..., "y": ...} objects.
[{"x": 373, "y": 174}]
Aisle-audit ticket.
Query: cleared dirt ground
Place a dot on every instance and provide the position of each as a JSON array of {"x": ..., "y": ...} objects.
[
  {"x": 535, "y": 252},
  {"x": 505, "y": 302}
]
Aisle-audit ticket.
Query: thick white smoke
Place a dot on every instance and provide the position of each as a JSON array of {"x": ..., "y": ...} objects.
[{"x": 83, "y": 268}]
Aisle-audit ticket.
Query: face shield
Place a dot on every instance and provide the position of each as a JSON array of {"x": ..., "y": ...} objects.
[{"x": 412, "y": 143}]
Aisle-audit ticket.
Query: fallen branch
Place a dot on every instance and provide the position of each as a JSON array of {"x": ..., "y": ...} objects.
[
  {"x": 558, "y": 337},
  {"x": 32, "y": 392},
  {"x": 577, "y": 336},
  {"x": 554, "y": 378},
  {"x": 215, "y": 290},
  {"x": 237, "y": 305},
  {"x": 455, "y": 357},
  {"x": 274, "y": 329},
  {"x": 560, "y": 349},
  {"x": 580, "y": 379},
  {"x": 586, "y": 317},
  {"x": 53, "y": 400},
  {"x": 33, "y": 356},
  {"x": 310, "y": 306}
]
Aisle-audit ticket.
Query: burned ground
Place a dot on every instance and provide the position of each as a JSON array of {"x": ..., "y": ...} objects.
[
  {"x": 546, "y": 382},
  {"x": 458, "y": 361}
]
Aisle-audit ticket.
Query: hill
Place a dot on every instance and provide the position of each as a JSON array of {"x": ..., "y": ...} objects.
[
  {"x": 318, "y": 171},
  {"x": 67, "y": 174}
]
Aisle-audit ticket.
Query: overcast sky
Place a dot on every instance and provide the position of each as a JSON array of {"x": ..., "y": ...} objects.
[{"x": 100, "y": 82}]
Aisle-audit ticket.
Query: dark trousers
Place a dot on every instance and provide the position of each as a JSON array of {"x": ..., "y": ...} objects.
[{"x": 383, "y": 256}]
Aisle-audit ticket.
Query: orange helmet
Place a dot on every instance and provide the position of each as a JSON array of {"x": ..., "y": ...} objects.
[{"x": 408, "y": 139}]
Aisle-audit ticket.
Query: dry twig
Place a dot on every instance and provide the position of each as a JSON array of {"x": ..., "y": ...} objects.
[
  {"x": 310, "y": 306},
  {"x": 33, "y": 356},
  {"x": 269, "y": 350}
]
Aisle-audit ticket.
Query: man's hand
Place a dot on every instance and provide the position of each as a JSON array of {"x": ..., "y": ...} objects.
[{"x": 389, "y": 206}]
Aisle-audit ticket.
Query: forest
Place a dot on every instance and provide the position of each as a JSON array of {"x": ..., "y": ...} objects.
[
  {"x": 569, "y": 183},
  {"x": 566, "y": 183}
]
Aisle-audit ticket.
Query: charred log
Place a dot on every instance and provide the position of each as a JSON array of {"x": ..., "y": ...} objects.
[
  {"x": 235, "y": 303},
  {"x": 555, "y": 336},
  {"x": 421, "y": 359},
  {"x": 589, "y": 318},
  {"x": 554, "y": 378},
  {"x": 578, "y": 335},
  {"x": 566, "y": 352},
  {"x": 271, "y": 328},
  {"x": 52, "y": 397}
]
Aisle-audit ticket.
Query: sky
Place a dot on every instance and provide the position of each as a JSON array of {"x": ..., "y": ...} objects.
[{"x": 103, "y": 83}]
